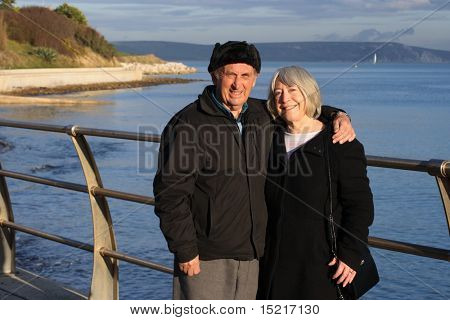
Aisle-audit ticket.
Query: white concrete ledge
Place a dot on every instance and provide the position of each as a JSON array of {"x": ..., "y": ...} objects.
[{"x": 27, "y": 78}]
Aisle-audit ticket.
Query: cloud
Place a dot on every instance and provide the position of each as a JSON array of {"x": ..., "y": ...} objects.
[
  {"x": 289, "y": 8},
  {"x": 370, "y": 35},
  {"x": 329, "y": 37},
  {"x": 375, "y": 35},
  {"x": 207, "y": 21},
  {"x": 407, "y": 4}
]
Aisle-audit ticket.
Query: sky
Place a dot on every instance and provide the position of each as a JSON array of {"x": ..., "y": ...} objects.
[{"x": 423, "y": 23}]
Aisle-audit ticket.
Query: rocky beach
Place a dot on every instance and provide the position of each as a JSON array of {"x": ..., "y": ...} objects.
[{"x": 160, "y": 68}]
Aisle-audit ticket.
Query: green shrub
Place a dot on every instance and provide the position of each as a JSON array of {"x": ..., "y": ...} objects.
[
  {"x": 89, "y": 37},
  {"x": 41, "y": 27},
  {"x": 47, "y": 54},
  {"x": 8, "y": 4},
  {"x": 72, "y": 13}
]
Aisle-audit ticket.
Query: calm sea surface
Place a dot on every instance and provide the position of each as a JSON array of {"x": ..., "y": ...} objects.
[{"x": 398, "y": 110}]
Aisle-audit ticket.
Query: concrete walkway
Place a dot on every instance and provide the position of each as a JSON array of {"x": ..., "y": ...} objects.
[
  {"x": 11, "y": 80},
  {"x": 25, "y": 285}
]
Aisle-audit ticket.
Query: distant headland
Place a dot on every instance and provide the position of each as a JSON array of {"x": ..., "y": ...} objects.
[{"x": 297, "y": 51}]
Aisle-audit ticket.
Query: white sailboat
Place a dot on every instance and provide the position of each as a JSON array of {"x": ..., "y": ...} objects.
[{"x": 374, "y": 58}]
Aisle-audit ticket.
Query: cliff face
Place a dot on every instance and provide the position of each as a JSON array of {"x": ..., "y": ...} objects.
[{"x": 298, "y": 51}]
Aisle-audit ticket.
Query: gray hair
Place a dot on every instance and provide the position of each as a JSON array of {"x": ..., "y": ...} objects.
[
  {"x": 304, "y": 81},
  {"x": 217, "y": 73}
]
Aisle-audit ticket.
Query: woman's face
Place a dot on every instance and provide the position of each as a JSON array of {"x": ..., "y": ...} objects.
[{"x": 289, "y": 101}]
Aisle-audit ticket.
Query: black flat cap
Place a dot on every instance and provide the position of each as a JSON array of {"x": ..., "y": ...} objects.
[{"x": 234, "y": 52}]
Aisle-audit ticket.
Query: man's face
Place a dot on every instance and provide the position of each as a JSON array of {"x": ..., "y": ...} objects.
[{"x": 234, "y": 84}]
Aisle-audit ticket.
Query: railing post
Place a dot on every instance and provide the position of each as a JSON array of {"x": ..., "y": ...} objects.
[
  {"x": 443, "y": 182},
  {"x": 105, "y": 274},
  {"x": 7, "y": 235}
]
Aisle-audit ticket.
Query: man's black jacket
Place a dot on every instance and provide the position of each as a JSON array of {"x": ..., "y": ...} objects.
[{"x": 209, "y": 187}]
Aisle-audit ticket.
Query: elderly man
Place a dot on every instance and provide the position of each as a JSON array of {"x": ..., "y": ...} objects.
[{"x": 209, "y": 187}]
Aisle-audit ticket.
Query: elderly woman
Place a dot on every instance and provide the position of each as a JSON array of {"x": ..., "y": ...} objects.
[{"x": 304, "y": 169}]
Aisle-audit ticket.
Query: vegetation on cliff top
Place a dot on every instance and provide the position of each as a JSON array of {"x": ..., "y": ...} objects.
[{"x": 34, "y": 37}]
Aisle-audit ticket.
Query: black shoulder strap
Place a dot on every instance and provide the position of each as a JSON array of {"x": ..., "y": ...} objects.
[{"x": 331, "y": 224}]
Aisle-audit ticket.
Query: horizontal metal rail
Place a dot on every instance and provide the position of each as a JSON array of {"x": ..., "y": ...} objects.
[
  {"x": 125, "y": 135},
  {"x": 85, "y": 246},
  {"x": 74, "y": 130},
  {"x": 48, "y": 182},
  {"x": 410, "y": 248},
  {"x": 433, "y": 167},
  {"x": 79, "y": 187},
  {"x": 140, "y": 198},
  {"x": 403, "y": 247},
  {"x": 69, "y": 242},
  {"x": 134, "y": 260},
  {"x": 34, "y": 126},
  {"x": 97, "y": 191}
]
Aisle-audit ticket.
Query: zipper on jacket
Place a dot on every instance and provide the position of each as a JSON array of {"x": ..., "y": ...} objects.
[
  {"x": 211, "y": 218},
  {"x": 244, "y": 146}
]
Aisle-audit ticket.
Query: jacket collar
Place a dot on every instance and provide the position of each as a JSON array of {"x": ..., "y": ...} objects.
[
  {"x": 313, "y": 146},
  {"x": 207, "y": 105}
]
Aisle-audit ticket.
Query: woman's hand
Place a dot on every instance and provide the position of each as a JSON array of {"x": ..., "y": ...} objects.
[
  {"x": 192, "y": 267},
  {"x": 343, "y": 271}
]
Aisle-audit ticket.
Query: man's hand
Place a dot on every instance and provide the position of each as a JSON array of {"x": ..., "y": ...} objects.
[
  {"x": 343, "y": 130},
  {"x": 191, "y": 267}
]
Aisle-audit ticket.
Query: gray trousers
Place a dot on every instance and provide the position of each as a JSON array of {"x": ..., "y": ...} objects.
[{"x": 222, "y": 279}]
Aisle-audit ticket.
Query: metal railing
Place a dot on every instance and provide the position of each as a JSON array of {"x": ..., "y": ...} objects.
[{"x": 104, "y": 283}]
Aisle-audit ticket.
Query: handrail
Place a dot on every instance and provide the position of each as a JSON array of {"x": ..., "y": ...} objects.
[
  {"x": 410, "y": 248},
  {"x": 434, "y": 167},
  {"x": 105, "y": 273},
  {"x": 134, "y": 260},
  {"x": 53, "y": 237},
  {"x": 33, "y": 126},
  {"x": 96, "y": 191},
  {"x": 77, "y": 130},
  {"x": 48, "y": 182},
  {"x": 403, "y": 247},
  {"x": 85, "y": 246}
]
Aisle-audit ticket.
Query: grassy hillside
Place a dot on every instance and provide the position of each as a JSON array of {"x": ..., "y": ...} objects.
[
  {"x": 25, "y": 56},
  {"x": 37, "y": 37}
]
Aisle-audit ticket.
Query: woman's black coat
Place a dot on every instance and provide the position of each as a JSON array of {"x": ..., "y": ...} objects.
[{"x": 297, "y": 252}]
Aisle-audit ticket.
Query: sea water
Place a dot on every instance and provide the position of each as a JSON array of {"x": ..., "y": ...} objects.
[{"x": 398, "y": 110}]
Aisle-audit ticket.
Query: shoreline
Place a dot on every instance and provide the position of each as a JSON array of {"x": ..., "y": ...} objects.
[
  {"x": 66, "y": 89},
  {"x": 38, "y": 101}
]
